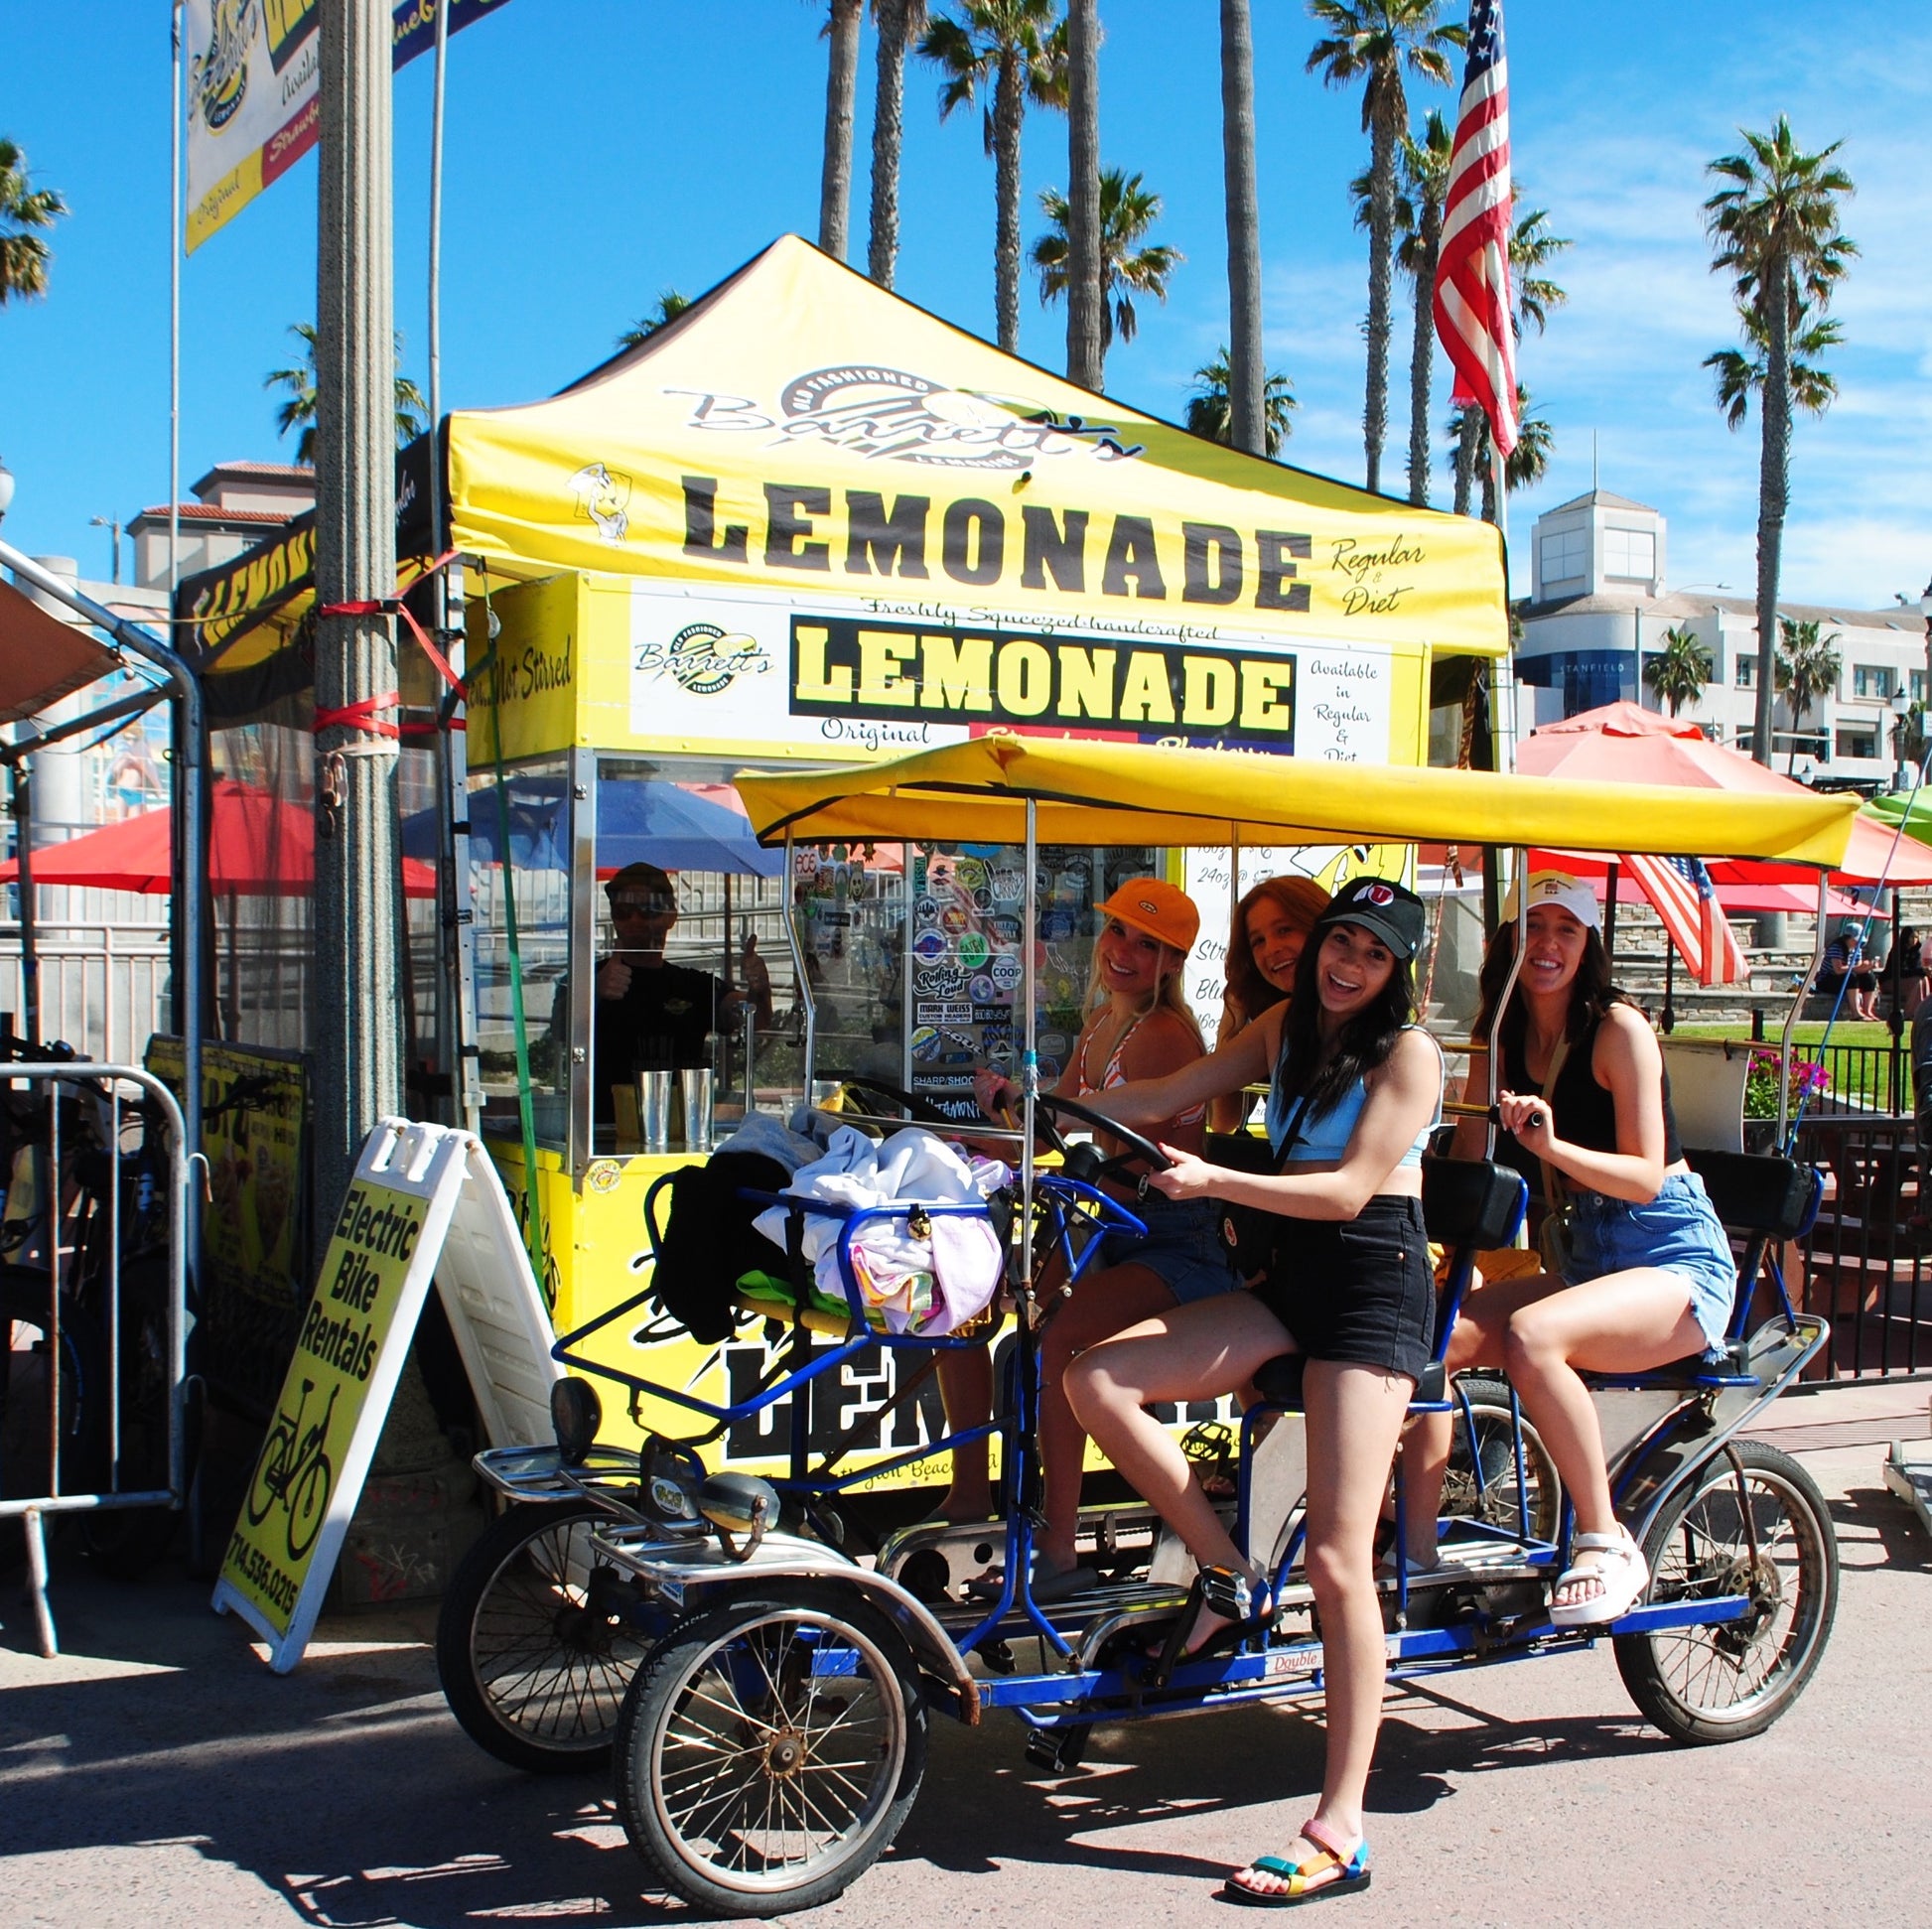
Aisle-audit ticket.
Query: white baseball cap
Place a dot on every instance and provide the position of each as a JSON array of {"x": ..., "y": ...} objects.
[{"x": 1566, "y": 893}]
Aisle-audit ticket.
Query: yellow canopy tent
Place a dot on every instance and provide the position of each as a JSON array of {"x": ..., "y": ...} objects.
[{"x": 1114, "y": 793}]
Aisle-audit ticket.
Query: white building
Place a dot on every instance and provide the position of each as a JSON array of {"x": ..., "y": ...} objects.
[
  {"x": 236, "y": 504},
  {"x": 1598, "y": 609}
]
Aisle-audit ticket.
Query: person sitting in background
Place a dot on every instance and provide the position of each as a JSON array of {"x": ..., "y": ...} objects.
[{"x": 1272, "y": 923}]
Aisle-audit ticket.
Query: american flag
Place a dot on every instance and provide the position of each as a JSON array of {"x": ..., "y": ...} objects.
[
  {"x": 1472, "y": 299},
  {"x": 1682, "y": 895}
]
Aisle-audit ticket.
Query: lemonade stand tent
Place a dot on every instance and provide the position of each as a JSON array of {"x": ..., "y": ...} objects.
[{"x": 808, "y": 523}]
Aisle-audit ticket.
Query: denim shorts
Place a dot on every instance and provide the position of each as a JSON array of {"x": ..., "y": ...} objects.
[
  {"x": 1360, "y": 1290},
  {"x": 1182, "y": 1247},
  {"x": 1678, "y": 1231}
]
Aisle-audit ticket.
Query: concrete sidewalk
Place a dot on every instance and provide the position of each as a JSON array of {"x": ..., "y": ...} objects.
[{"x": 158, "y": 1774}]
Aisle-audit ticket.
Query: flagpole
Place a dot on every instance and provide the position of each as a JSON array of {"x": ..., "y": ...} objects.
[
  {"x": 1506, "y": 681},
  {"x": 174, "y": 323}
]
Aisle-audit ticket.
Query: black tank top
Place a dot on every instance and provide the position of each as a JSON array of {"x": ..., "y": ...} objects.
[{"x": 1586, "y": 1112}]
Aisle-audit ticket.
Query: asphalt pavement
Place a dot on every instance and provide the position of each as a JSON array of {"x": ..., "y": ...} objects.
[{"x": 158, "y": 1774}]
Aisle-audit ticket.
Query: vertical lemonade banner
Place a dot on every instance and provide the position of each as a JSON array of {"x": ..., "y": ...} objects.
[{"x": 381, "y": 1258}]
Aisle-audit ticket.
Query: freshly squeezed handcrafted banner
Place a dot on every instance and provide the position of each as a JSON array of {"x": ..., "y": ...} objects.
[{"x": 892, "y": 671}]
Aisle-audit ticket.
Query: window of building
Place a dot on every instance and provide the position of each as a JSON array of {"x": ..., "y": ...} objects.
[
  {"x": 1918, "y": 686},
  {"x": 1745, "y": 674},
  {"x": 1876, "y": 680},
  {"x": 1857, "y": 742},
  {"x": 1630, "y": 553},
  {"x": 1566, "y": 557}
]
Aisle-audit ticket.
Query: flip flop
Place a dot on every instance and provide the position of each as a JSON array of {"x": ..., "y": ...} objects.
[{"x": 1352, "y": 1875}]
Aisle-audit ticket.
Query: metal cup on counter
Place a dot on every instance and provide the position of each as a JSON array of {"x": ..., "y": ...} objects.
[
  {"x": 654, "y": 1090},
  {"x": 695, "y": 1089}
]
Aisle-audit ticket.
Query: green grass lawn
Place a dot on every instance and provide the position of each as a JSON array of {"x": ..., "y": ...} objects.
[
  {"x": 1846, "y": 1032},
  {"x": 1863, "y": 1078}
]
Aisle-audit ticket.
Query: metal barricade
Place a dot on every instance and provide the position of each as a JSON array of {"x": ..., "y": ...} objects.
[{"x": 93, "y": 1300}]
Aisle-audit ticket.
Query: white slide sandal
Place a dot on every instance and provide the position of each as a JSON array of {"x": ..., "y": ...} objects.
[{"x": 1623, "y": 1578}]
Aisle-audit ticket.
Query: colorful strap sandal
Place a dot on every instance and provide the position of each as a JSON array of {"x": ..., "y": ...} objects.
[
  {"x": 1621, "y": 1573},
  {"x": 1336, "y": 1870}
]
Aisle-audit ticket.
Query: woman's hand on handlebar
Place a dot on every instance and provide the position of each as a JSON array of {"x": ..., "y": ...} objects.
[
  {"x": 1185, "y": 1176},
  {"x": 996, "y": 1093},
  {"x": 1528, "y": 1119}
]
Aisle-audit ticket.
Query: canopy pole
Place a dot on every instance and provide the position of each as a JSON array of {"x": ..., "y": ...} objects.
[
  {"x": 1030, "y": 1057},
  {"x": 1609, "y": 912},
  {"x": 1495, "y": 1040},
  {"x": 803, "y": 979},
  {"x": 1797, "y": 1005},
  {"x": 30, "y": 961}
]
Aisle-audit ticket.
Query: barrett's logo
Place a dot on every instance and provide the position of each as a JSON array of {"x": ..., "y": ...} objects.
[
  {"x": 705, "y": 659},
  {"x": 218, "y": 81},
  {"x": 603, "y": 497},
  {"x": 891, "y": 414}
]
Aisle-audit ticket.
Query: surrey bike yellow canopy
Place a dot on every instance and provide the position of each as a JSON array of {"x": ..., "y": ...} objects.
[{"x": 1131, "y": 793}]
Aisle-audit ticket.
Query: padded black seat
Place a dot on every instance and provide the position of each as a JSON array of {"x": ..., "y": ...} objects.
[
  {"x": 1472, "y": 1202},
  {"x": 1759, "y": 1193}
]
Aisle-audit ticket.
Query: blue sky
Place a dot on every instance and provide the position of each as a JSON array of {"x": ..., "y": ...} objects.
[{"x": 602, "y": 150}]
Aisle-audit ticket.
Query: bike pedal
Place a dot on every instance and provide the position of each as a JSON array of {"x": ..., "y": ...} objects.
[
  {"x": 1058, "y": 1751},
  {"x": 997, "y": 1654}
]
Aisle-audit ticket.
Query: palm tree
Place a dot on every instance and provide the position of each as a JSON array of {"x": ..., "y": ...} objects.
[
  {"x": 23, "y": 255},
  {"x": 1250, "y": 426},
  {"x": 841, "y": 89},
  {"x": 1680, "y": 670},
  {"x": 1807, "y": 667},
  {"x": 1774, "y": 229},
  {"x": 1016, "y": 50},
  {"x": 1526, "y": 464},
  {"x": 1127, "y": 268},
  {"x": 1086, "y": 351},
  {"x": 670, "y": 305},
  {"x": 1374, "y": 41},
  {"x": 1741, "y": 376},
  {"x": 1210, "y": 408},
  {"x": 1532, "y": 248},
  {"x": 299, "y": 378},
  {"x": 899, "y": 22},
  {"x": 1424, "y": 187}
]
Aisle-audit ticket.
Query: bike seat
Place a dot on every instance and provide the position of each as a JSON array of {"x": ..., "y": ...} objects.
[
  {"x": 1730, "y": 1365},
  {"x": 1755, "y": 1193}
]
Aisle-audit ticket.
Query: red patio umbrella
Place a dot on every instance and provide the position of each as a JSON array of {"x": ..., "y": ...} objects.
[{"x": 258, "y": 847}]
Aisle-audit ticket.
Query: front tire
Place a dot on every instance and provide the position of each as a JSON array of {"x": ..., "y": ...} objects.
[
  {"x": 756, "y": 1779},
  {"x": 1733, "y": 1679},
  {"x": 533, "y": 1672}
]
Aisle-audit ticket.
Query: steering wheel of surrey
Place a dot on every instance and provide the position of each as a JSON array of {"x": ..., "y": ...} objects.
[
  {"x": 1139, "y": 1150},
  {"x": 921, "y": 1111}
]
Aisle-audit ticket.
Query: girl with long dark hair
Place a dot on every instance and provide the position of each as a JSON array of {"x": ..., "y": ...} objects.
[
  {"x": 1355, "y": 1091},
  {"x": 1648, "y": 1275},
  {"x": 1272, "y": 925}
]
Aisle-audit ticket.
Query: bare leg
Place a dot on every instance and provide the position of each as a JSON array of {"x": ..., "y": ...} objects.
[
  {"x": 1354, "y": 1416},
  {"x": 1476, "y": 1341},
  {"x": 1623, "y": 1323},
  {"x": 966, "y": 1389},
  {"x": 1102, "y": 1304},
  {"x": 1195, "y": 1352}
]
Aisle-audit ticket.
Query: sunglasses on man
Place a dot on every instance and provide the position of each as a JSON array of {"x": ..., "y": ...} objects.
[{"x": 656, "y": 906}]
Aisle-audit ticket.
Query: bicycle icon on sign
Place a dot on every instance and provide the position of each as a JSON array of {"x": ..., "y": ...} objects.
[{"x": 296, "y": 1471}]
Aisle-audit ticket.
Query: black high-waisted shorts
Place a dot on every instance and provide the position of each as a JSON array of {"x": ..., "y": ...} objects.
[{"x": 1358, "y": 1289}]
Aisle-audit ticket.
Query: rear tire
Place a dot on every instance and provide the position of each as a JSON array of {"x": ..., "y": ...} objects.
[
  {"x": 753, "y": 1786},
  {"x": 531, "y": 1671},
  {"x": 1724, "y": 1682}
]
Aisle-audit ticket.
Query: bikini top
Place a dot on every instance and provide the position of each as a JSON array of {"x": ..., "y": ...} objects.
[
  {"x": 1325, "y": 1137},
  {"x": 1114, "y": 1075}
]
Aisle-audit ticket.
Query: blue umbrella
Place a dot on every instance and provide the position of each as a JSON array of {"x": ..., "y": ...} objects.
[{"x": 638, "y": 822}]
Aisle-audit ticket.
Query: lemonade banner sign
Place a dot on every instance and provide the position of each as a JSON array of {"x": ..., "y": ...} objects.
[{"x": 424, "y": 1205}]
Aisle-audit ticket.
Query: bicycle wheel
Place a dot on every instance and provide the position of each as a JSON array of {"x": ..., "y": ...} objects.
[
  {"x": 272, "y": 1460},
  {"x": 530, "y": 1669},
  {"x": 754, "y": 1777},
  {"x": 1482, "y": 1484},
  {"x": 309, "y": 1504},
  {"x": 27, "y": 1379},
  {"x": 1752, "y": 1522}
]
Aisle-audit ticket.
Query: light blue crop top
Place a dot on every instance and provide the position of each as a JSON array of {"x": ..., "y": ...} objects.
[{"x": 1327, "y": 1136}]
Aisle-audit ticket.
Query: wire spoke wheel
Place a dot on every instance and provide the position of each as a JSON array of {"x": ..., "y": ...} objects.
[
  {"x": 769, "y": 1753},
  {"x": 1483, "y": 1481},
  {"x": 1752, "y": 1523},
  {"x": 533, "y": 1662}
]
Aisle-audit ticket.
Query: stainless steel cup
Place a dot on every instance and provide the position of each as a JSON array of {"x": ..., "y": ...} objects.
[
  {"x": 655, "y": 1109},
  {"x": 695, "y": 1089}
]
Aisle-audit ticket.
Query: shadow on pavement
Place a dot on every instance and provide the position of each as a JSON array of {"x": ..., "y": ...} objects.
[{"x": 1880, "y": 1512}]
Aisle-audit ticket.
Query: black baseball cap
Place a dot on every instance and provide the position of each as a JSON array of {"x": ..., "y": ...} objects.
[
  {"x": 642, "y": 881},
  {"x": 1391, "y": 910}
]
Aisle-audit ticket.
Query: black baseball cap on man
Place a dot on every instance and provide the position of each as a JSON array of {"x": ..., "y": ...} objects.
[
  {"x": 1391, "y": 910},
  {"x": 646, "y": 882}
]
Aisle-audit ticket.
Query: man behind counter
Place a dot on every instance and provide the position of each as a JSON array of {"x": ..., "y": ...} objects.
[{"x": 651, "y": 1016}]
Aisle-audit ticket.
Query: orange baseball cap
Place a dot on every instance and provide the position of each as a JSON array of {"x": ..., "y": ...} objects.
[{"x": 1154, "y": 905}]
